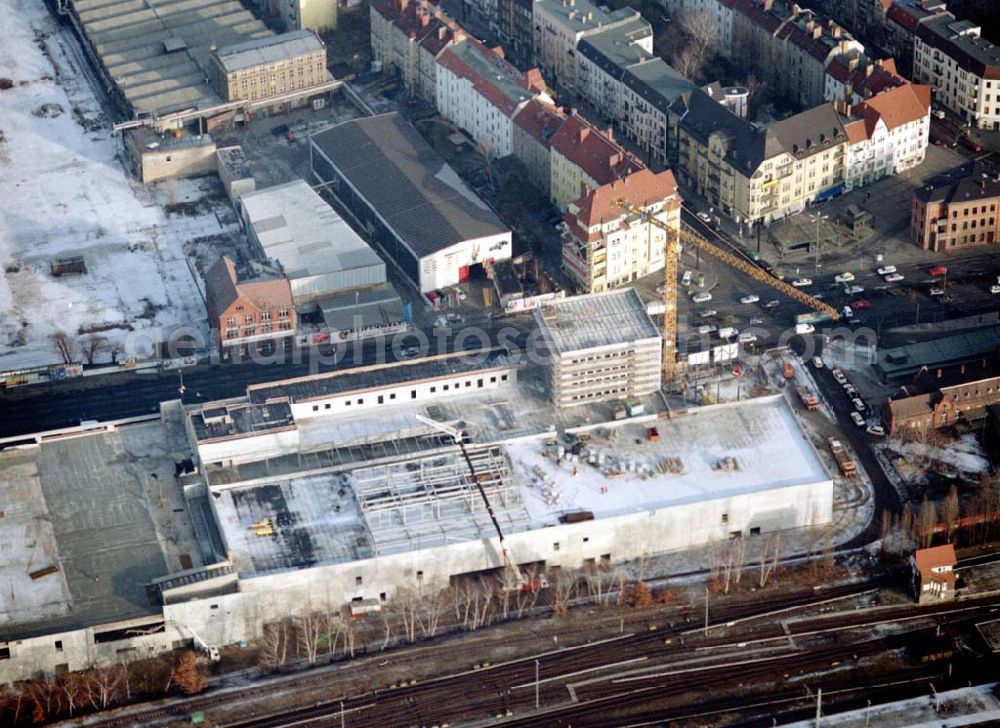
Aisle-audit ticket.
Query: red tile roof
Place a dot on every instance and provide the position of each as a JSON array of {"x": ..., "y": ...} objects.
[
  {"x": 856, "y": 131},
  {"x": 895, "y": 106},
  {"x": 223, "y": 289},
  {"x": 599, "y": 156},
  {"x": 927, "y": 559},
  {"x": 531, "y": 82},
  {"x": 640, "y": 188},
  {"x": 540, "y": 120}
]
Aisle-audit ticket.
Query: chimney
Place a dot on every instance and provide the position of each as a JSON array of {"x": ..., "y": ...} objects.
[
  {"x": 611, "y": 133},
  {"x": 425, "y": 20},
  {"x": 767, "y": 5},
  {"x": 442, "y": 32},
  {"x": 835, "y": 30},
  {"x": 817, "y": 31},
  {"x": 810, "y": 25},
  {"x": 583, "y": 133},
  {"x": 939, "y": 374},
  {"x": 868, "y": 70}
]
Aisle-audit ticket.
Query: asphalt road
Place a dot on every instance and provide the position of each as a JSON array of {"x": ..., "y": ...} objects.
[{"x": 129, "y": 394}]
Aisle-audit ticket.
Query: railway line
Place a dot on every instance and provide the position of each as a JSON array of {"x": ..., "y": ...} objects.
[{"x": 577, "y": 682}]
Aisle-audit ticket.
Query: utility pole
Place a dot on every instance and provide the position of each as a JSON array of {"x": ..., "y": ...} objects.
[
  {"x": 537, "y": 704},
  {"x": 819, "y": 706},
  {"x": 706, "y": 611},
  {"x": 341, "y": 714},
  {"x": 868, "y": 712}
]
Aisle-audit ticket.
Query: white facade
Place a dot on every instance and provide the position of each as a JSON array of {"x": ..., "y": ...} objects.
[
  {"x": 459, "y": 101},
  {"x": 721, "y": 13},
  {"x": 450, "y": 266},
  {"x": 869, "y": 159},
  {"x": 970, "y": 96}
]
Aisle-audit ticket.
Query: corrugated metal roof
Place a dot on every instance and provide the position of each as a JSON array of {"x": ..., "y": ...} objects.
[
  {"x": 317, "y": 249},
  {"x": 262, "y": 51},
  {"x": 420, "y": 197}
]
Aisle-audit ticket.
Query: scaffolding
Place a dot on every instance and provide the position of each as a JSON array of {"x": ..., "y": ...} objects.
[{"x": 432, "y": 501}]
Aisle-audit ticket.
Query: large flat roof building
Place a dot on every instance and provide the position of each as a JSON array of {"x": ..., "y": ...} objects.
[
  {"x": 268, "y": 67},
  {"x": 409, "y": 199}
]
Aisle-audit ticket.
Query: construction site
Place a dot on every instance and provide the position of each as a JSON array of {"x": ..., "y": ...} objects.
[{"x": 339, "y": 489}]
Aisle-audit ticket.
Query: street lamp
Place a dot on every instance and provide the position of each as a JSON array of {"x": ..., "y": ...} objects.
[{"x": 816, "y": 217}]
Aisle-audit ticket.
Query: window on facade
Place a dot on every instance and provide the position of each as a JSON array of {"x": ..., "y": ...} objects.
[
  {"x": 357, "y": 581},
  {"x": 555, "y": 546}
]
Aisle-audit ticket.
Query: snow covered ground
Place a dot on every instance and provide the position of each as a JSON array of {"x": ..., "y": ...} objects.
[
  {"x": 63, "y": 192},
  {"x": 964, "y": 455}
]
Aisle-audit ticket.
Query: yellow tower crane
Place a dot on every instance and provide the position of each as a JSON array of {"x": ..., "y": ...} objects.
[{"x": 671, "y": 259}]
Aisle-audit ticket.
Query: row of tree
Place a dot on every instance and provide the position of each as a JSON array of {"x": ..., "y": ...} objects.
[{"x": 48, "y": 697}]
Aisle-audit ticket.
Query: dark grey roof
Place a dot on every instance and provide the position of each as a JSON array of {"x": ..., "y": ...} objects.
[
  {"x": 657, "y": 82},
  {"x": 972, "y": 54},
  {"x": 417, "y": 194},
  {"x": 360, "y": 379},
  {"x": 907, "y": 360},
  {"x": 615, "y": 49},
  {"x": 705, "y": 117},
  {"x": 977, "y": 185},
  {"x": 265, "y": 51},
  {"x": 810, "y": 131}
]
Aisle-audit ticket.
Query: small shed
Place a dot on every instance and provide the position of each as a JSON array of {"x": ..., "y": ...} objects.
[{"x": 933, "y": 573}]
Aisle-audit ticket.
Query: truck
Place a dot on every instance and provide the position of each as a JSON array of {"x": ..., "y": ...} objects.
[
  {"x": 808, "y": 398},
  {"x": 844, "y": 462},
  {"x": 812, "y": 317}
]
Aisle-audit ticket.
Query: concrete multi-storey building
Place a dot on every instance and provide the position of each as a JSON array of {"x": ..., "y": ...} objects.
[
  {"x": 958, "y": 212},
  {"x": 250, "y": 312},
  {"x": 603, "y": 347},
  {"x": 889, "y": 134},
  {"x": 315, "y": 15},
  {"x": 761, "y": 174},
  {"x": 269, "y": 67},
  {"x": 534, "y": 126},
  {"x": 481, "y": 92},
  {"x": 605, "y": 246},
  {"x": 560, "y": 25},
  {"x": 602, "y": 59},
  {"x": 583, "y": 158},
  {"x": 514, "y": 26},
  {"x": 406, "y": 37}
]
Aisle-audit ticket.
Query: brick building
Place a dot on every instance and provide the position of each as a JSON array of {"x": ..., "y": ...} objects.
[
  {"x": 941, "y": 398},
  {"x": 534, "y": 126},
  {"x": 269, "y": 67},
  {"x": 933, "y": 573},
  {"x": 248, "y": 313},
  {"x": 957, "y": 213}
]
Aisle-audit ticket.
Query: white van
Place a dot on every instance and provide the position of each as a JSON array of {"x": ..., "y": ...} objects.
[{"x": 728, "y": 332}]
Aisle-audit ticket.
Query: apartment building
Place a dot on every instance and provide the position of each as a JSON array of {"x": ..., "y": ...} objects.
[
  {"x": 900, "y": 24},
  {"x": 560, "y": 25},
  {"x": 315, "y": 15},
  {"x": 963, "y": 68},
  {"x": 583, "y": 158},
  {"x": 606, "y": 246},
  {"x": 957, "y": 213},
  {"x": 514, "y": 26},
  {"x": 269, "y": 67},
  {"x": 888, "y": 134},
  {"x": 406, "y": 37},
  {"x": 856, "y": 80},
  {"x": 534, "y": 126},
  {"x": 602, "y": 59},
  {"x": 249, "y": 312},
  {"x": 760, "y": 174},
  {"x": 481, "y": 92}
]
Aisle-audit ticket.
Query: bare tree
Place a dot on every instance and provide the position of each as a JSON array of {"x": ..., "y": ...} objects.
[
  {"x": 269, "y": 653},
  {"x": 310, "y": 630},
  {"x": 770, "y": 548},
  {"x": 926, "y": 522},
  {"x": 44, "y": 690},
  {"x": 102, "y": 685},
  {"x": 755, "y": 87},
  {"x": 91, "y": 345},
  {"x": 486, "y": 147},
  {"x": 563, "y": 588},
  {"x": 949, "y": 511},
  {"x": 64, "y": 346},
  {"x": 429, "y": 614},
  {"x": 701, "y": 35}
]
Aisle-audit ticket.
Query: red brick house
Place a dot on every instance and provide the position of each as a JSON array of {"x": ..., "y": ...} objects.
[
  {"x": 933, "y": 575},
  {"x": 248, "y": 313}
]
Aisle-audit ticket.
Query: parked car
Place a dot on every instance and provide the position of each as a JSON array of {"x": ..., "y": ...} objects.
[
  {"x": 804, "y": 328},
  {"x": 846, "y": 277},
  {"x": 685, "y": 279},
  {"x": 708, "y": 313},
  {"x": 747, "y": 338},
  {"x": 937, "y": 291},
  {"x": 995, "y": 288},
  {"x": 861, "y": 304},
  {"x": 853, "y": 290},
  {"x": 857, "y": 419},
  {"x": 707, "y": 329},
  {"x": 848, "y": 312},
  {"x": 728, "y": 332},
  {"x": 408, "y": 352},
  {"x": 839, "y": 376},
  {"x": 704, "y": 217},
  {"x": 859, "y": 404},
  {"x": 849, "y": 389},
  {"x": 750, "y": 298},
  {"x": 938, "y": 113},
  {"x": 703, "y": 297},
  {"x": 886, "y": 270},
  {"x": 876, "y": 430},
  {"x": 938, "y": 270},
  {"x": 280, "y": 129},
  {"x": 802, "y": 282},
  {"x": 755, "y": 321},
  {"x": 817, "y": 362},
  {"x": 772, "y": 304},
  {"x": 894, "y": 278}
]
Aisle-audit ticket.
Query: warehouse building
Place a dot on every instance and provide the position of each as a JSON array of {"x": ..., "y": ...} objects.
[
  {"x": 327, "y": 491},
  {"x": 602, "y": 347},
  {"x": 330, "y": 268},
  {"x": 408, "y": 200}
]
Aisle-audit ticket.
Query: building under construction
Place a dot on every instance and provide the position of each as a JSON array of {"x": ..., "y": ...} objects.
[
  {"x": 334, "y": 491},
  {"x": 602, "y": 347}
]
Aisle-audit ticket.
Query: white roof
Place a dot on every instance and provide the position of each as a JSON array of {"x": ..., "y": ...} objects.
[
  {"x": 263, "y": 51},
  {"x": 296, "y": 227},
  {"x": 577, "y": 323}
]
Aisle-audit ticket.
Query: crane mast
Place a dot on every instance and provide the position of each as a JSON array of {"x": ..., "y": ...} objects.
[{"x": 671, "y": 261}]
